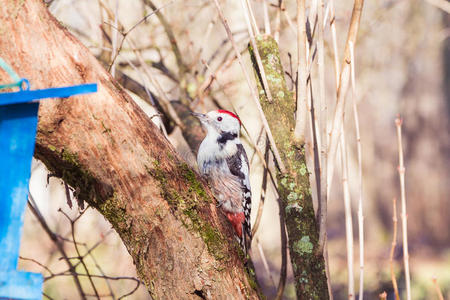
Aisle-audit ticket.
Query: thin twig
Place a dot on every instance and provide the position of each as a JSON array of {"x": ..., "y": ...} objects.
[
  {"x": 150, "y": 99},
  {"x": 132, "y": 85},
  {"x": 159, "y": 65},
  {"x": 34, "y": 209},
  {"x": 72, "y": 226},
  {"x": 38, "y": 263},
  {"x": 264, "y": 261},
  {"x": 312, "y": 16},
  {"x": 327, "y": 269},
  {"x": 102, "y": 276},
  {"x": 289, "y": 21},
  {"x": 393, "y": 245},
  {"x": 348, "y": 218},
  {"x": 344, "y": 80},
  {"x": 80, "y": 258},
  {"x": 171, "y": 37},
  {"x": 91, "y": 249},
  {"x": 47, "y": 296},
  {"x": 267, "y": 29},
  {"x": 323, "y": 201},
  {"x": 322, "y": 207},
  {"x": 256, "y": 52},
  {"x": 211, "y": 77},
  {"x": 207, "y": 83},
  {"x": 310, "y": 106},
  {"x": 404, "y": 216},
  {"x": 325, "y": 17},
  {"x": 315, "y": 134},
  {"x": 360, "y": 183},
  {"x": 437, "y": 289},
  {"x": 261, "y": 134},
  {"x": 314, "y": 126},
  {"x": 284, "y": 253},
  {"x": 276, "y": 35},
  {"x": 165, "y": 101},
  {"x": 252, "y": 16},
  {"x": 334, "y": 41},
  {"x": 263, "y": 191},
  {"x": 115, "y": 37},
  {"x": 65, "y": 273},
  {"x": 326, "y": 171},
  {"x": 300, "y": 122},
  {"x": 116, "y": 52},
  {"x": 222, "y": 46},
  {"x": 138, "y": 283}
]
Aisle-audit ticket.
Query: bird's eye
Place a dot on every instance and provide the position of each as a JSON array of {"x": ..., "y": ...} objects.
[{"x": 219, "y": 119}]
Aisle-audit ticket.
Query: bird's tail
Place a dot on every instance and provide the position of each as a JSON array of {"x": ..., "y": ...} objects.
[
  {"x": 242, "y": 229},
  {"x": 246, "y": 240}
]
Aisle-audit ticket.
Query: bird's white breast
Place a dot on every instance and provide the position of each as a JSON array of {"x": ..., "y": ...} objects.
[{"x": 211, "y": 154}]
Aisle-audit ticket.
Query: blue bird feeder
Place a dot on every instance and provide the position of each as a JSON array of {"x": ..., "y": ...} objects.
[{"x": 18, "y": 123}]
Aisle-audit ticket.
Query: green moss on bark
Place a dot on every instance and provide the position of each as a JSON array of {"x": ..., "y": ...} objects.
[
  {"x": 184, "y": 198},
  {"x": 294, "y": 187},
  {"x": 66, "y": 165}
]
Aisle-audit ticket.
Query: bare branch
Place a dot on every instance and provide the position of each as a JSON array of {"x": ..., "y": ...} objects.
[
  {"x": 360, "y": 181},
  {"x": 258, "y": 57},
  {"x": 284, "y": 252},
  {"x": 404, "y": 216},
  {"x": 72, "y": 227},
  {"x": 437, "y": 289},
  {"x": 171, "y": 37},
  {"x": 34, "y": 209},
  {"x": 263, "y": 191},
  {"x": 323, "y": 112},
  {"x": 300, "y": 122},
  {"x": 348, "y": 219},
  {"x": 344, "y": 80},
  {"x": 393, "y": 245}
]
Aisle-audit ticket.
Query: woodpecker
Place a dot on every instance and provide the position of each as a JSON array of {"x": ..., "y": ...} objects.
[{"x": 222, "y": 159}]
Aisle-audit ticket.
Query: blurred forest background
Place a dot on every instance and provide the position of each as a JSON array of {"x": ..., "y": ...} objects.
[{"x": 402, "y": 67}]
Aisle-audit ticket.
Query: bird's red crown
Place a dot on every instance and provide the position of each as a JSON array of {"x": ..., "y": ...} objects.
[{"x": 231, "y": 114}]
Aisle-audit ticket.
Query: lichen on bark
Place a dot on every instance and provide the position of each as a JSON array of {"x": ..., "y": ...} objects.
[{"x": 293, "y": 185}]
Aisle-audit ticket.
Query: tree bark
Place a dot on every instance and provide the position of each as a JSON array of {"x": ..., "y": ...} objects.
[
  {"x": 107, "y": 148},
  {"x": 293, "y": 186}
]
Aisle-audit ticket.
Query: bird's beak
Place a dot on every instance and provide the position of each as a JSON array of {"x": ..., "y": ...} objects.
[{"x": 201, "y": 117}]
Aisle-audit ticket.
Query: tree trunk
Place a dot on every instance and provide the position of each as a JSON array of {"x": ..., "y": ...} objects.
[
  {"x": 107, "y": 148},
  {"x": 294, "y": 187}
]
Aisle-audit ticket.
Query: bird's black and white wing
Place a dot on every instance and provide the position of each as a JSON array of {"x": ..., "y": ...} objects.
[{"x": 239, "y": 167}]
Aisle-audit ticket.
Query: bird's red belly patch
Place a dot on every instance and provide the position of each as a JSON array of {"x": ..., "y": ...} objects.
[{"x": 236, "y": 219}]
